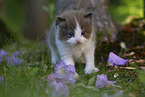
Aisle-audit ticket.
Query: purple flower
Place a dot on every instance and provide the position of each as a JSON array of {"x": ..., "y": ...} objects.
[
  {"x": 3, "y": 53},
  {"x": 16, "y": 53},
  {"x": 63, "y": 73},
  {"x": 1, "y": 79},
  {"x": 55, "y": 77},
  {"x": 0, "y": 60},
  {"x": 58, "y": 81},
  {"x": 102, "y": 81},
  {"x": 116, "y": 60},
  {"x": 14, "y": 61},
  {"x": 59, "y": 65},
  {"x": 59, "y": 89}
]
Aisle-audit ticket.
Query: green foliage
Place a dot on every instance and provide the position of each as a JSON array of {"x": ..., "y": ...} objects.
[
  {"x": 7, "y": 33},
  {"x": 121, "y": 9},
  {"x": 15, "y": 13}
]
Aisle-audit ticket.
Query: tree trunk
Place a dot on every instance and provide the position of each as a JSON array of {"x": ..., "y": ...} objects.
[
  {"x": 102, "y": 20},
  {"x": 2, "y": 7},
  {"x": 144, "y": 8},
  {"x": 36, "y": 19}
]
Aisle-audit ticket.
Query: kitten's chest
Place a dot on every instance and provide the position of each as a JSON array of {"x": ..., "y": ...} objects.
[{"x": 78, "y": 51}]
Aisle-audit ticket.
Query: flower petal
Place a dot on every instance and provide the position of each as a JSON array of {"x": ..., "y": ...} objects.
[
  {"x": 63, "y": 73},
  {"x": 59, "y": 65},
  {"x": 3, "y": 53},
  {"x": 116, "y": 60},
  {"x": 102, "y": 81}
]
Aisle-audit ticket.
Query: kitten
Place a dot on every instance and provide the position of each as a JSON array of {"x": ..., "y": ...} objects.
[{"x": 73, "y": 37}]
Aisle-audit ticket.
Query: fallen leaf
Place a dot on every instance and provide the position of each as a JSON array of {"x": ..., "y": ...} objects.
[
  {"x": 122, "y": 44},
  {"x": 115, "y": 67},
  {"x": 142, "y": 67},
  {"x": 140, "y": 61},
  {"x": 139, "y": 47},
  {"x": 130, "y": 54},
  {"x": 115, "y": 75},
  {"x": 127, "y": 68}
]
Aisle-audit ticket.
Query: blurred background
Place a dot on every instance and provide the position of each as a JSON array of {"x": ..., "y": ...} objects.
[{"x": 30, "y": 19}]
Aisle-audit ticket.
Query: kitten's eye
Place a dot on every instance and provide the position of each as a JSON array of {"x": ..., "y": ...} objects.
[
  {"x": 83, "y": 33},
  {"x": 70, "y": 34}
]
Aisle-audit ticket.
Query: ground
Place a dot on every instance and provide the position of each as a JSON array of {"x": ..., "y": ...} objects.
[{"x": 28, "y": 79}]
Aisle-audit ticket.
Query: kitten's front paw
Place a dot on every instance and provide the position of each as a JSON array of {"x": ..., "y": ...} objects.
[
  {"x": 90, "y": 70},
  {"x": 54, "y": 60}
]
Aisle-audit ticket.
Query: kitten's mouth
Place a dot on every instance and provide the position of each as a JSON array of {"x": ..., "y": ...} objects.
[{"x": 77, "y": 44}]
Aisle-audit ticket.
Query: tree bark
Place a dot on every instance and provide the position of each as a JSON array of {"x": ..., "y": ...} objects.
[
  {"x": 103, "y": 23},
  {"x": 2, "y": 7},
  {"x": 36, "y": 19}
]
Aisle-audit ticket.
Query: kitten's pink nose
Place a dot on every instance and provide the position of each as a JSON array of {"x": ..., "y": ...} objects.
[{"x": 78, "y": 41}]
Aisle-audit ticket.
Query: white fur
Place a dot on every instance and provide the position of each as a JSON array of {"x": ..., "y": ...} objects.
[
  {"x": 71, "y": 51},
  {"x": 78, "y": 31},
  {"x": 78, "y": 36},
  {"x": 54, "y": 56},
  {"x": 54, "y": 53}
]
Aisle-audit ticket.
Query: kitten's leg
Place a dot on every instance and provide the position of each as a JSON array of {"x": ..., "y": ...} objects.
[
  {"x": 68, "y": 60},
  {"x": 89, "y": 57},
  {"x": 54, "y": 55}
]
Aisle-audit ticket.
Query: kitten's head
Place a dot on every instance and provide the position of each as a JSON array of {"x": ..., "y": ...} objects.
[{"x": 75, "y": 27}]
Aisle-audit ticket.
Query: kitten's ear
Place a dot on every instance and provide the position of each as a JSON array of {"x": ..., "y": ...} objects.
[
  {"x": 88, "y": 15},
  {"x": 59, "y": 20}
]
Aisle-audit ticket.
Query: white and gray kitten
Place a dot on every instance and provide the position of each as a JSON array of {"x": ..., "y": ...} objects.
[{"x": 73, "y": 38}]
